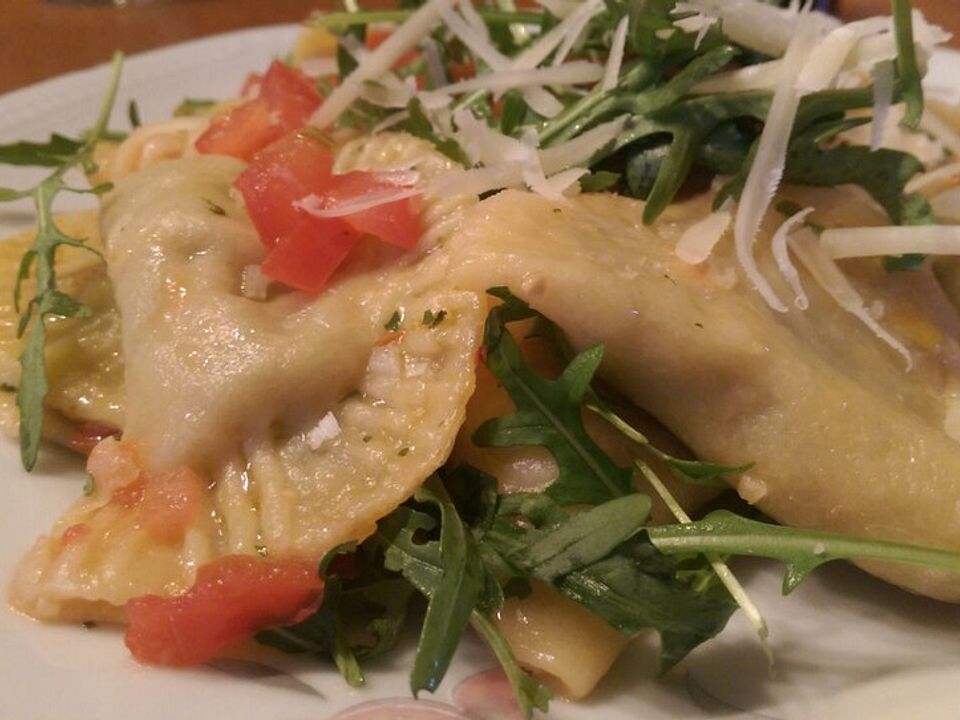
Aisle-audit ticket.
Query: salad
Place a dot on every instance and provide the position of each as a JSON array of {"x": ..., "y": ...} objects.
[{"x": 389, "y": 326}]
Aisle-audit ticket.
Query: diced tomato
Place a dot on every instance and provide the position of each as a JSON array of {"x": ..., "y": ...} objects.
[
  {"x": 285, "y": 101},
  {"x": 462, "y": 71},
  {"x": 232, "y": 598},
  {"x": 171, "y": 504},
  {"x": 240, "y": 132},
  {"x": 286, "y": 171},
  {"x": 397, "y": 223},
  {"x": 306, "y": 257},
  {"x": 251, "y": 86}
]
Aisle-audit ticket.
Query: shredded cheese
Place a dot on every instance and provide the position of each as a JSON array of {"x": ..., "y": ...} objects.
[
  {"x": 941, "y": 174},
  {"x": 884, "y": 76},
  {"x": 891, "y": 240},
  {"x": 611, "y": 73},
  {"x": 378, "y": 62},
  {"x": 571, "y": 73},
  {"x": 806, "y": 246},
  {"x": 697, "y": 241},
  {"x": 767, "y": 169},
  {"x": 781, "y": 256}
]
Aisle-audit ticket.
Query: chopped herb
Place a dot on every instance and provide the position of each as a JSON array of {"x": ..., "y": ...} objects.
[
  {"x": 133, "y": 114},
  {"x": 403, "y": 452},
  {"x": 261, "y": 550},
  {"x": 89, "y": 485},
  {"x": 214, "y": 208},
  {"x": 192, "y": 107},
  {"x": 393, "y": 324},
  {"x": 431, "y": 319}
]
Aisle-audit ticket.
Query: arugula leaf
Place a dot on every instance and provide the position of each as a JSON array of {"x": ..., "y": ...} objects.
[
  {"x": 57, "y": 151},
  {"x": 548, "y": 412},
  {"x": 694, "y": 471},
  {"x": 602, "y": 559},
  {"x": 802, "y": 550},
  {"x": 454, "y": 596},
  {"x": 907, "y": 69},
  {"x": 420, "y": 563},
  {"x": 63, "y": 154},
  {"x": 192, "y": 107}
]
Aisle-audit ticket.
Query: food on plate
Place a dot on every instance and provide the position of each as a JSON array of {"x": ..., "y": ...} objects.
[{"x": 482, "y": 305}]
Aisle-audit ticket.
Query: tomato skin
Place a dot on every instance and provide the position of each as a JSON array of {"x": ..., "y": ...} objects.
[
  {"x": 232, "y": 598},
  {"x": 306, "y": 257},
  {"x": 279, "y": 175},
  {"x": 285, "y": 101}
]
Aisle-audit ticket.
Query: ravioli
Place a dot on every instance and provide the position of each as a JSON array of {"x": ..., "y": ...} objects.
[
  {"x": 235, "y": 389},
  {"x": 842, "y": 438}
]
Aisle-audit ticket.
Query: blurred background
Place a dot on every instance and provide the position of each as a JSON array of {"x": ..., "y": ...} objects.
[{"x": 43, "y": 38}]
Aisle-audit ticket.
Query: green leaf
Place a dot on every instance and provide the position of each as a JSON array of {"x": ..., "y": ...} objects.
[
  {"x": 133, "y": 114},
  {"x": 723, "y": 532},
  {"x": 599, "y": 180},
  {"x": 53, "y": 153},
  {"x": 454, "y": 597},
  {"x": 694, "y": 471},
  {"x": 64, "y": 155},
  {"x": 549, "y": 413},
  {"x": 8, "y": 194},
  {"x": 583, "y": 539},
  {"x": 192, "y": 107},
  {"x": 907, "y": 69}
]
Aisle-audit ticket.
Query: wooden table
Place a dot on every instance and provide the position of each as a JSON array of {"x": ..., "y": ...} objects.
[{"x": 43, "y": 38}]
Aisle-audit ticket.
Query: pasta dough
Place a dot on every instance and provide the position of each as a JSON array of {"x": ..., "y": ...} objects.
[
  {"x": 843, "y": 439},
  {"x": 232, "y": 387}
]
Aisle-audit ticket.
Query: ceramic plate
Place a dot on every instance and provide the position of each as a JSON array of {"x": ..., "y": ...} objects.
[{"x": 845, "y": 645}]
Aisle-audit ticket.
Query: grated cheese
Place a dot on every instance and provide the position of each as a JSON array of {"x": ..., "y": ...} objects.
[
  {"x": 892, "y": 240},
  {"x": 582, "y": 148},
  {"x": 946, "y": 205},
  {"x": 378, "y": 62},
  {"x": 571, "y": 73},
  {"x": 611, "y": 73},
  {"x": 697, "y": 241},
  {"x": 781, "y": 256},
  {"x": 578, "y": 24},
  {"x": 884, "y": 76},
  {"x": 314, "y": 205},
  {"x": 806, "y": 246},
  {"x": 941, "y": 174},
  {"x": 767, "y": 168},
  {"x": 762, "y": 76}
]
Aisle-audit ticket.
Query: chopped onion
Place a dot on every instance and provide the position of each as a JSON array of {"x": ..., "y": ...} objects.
[
  {"x": 378, "y": 62},
  {"x": 781, "y": 255},
  {"x": 767, "y": 169},
  {"x": 697, "y": 241},
  {"x": 611, "y": 73},
  {"x": 806, "y": 246},
  {"x": 892, "y": 240},
  {"x": 327, "y": 429}
]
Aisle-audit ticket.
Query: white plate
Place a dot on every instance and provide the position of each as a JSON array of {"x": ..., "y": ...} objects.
[{"x": 846, "y": 645}]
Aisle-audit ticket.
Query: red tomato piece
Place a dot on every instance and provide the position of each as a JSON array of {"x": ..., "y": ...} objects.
[
  {"x": 397, "y": 223},
  {"x": 232, "y": 598},
  {"x": 308, "y": 255},
  {"x": 251, "y": 86},
  {"x": 240, "y": 132},
  {"x": 290, "y": 94},
  {"x": 285, "y": 101},
  {"x": 280, "y": 174},
  {"x": 171, "y": 504}
]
